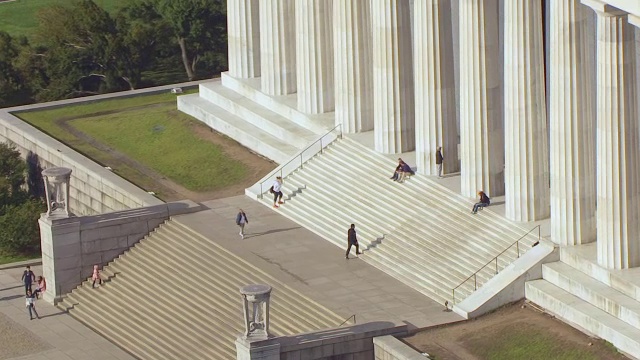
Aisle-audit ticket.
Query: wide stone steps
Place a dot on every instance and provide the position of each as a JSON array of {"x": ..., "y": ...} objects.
[
  {"x": 257, "y": 115},
  {"x": 431, "y": 248},
  {"x": 176, "y": 281},
  {"x": 237, "y": 128},
  {"x": 585, "y": 315}
]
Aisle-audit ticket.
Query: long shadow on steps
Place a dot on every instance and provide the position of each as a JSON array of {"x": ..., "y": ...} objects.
[{"x": 273, "y": 231}]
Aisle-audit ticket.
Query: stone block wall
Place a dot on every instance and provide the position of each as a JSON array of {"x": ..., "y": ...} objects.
[
  {"x": 346, "y": 343},
  {"x": 71, "y": 246},
  {"x": 389, "y": 348},
  {"x": 94, "y": 189}
]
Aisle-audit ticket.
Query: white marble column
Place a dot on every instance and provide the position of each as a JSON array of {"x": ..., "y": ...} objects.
[
  {"x": 314, "y": 55},
  {"x": 481, "y": 131},
  {"x": 277, "y": 46},
  {"x": 243, "y": 23},
  {"x": 525, "y": 121},
  {"x": 353, "y": 68},
  {"x": 434, "y": 86},
  {"x": 618, "y": 235},
  {"x": 572, "y": 127},
  {"x": 394, "y": 121}
]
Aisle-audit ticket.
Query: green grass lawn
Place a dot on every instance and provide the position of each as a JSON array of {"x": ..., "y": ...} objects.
[
  {"x": 520, "y": 341},
  {"x": 160, "y": 137},
  {"x": 6, "y": 259},
  {"x": 19, "y": 17}
]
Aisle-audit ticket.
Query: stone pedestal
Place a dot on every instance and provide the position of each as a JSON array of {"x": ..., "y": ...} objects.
[
  {"x": 243, "y": 24},
  {"x": 255, "y": 301},
  {"x": 314, "y": 48},
  {"x": 434, "y": 86},
  {"x": 277, "y": 47},
  {"x": 394, "y": 120},
  {"x": 572, "y": 127},
  {"x": 618, "y": 234},
  {"x": 353, "y": 69},
  {"x": 481, "y": 131},
  {"x": 61, "y": 255},
  {"x": 525, "y": 120},
  {"x": 257, "y": 350}
]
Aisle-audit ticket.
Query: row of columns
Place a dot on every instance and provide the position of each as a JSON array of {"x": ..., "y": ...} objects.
[{"x": 348, "y": 52}]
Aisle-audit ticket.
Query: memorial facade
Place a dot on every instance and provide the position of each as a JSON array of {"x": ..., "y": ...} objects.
[{"x": 538, "y": 97}]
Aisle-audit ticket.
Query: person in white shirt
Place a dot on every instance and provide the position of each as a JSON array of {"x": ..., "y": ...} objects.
[
  {"x": 30, "y": 301},
  {"x": 276, "y": 189}
]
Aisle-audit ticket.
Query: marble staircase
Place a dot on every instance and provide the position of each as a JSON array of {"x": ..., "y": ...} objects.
[
  {"x": 178, "y": 282},
  {"x": 603, "y": 302},
  {"x": 418, "y": 231},
  {"x": 270, "y": 126}
]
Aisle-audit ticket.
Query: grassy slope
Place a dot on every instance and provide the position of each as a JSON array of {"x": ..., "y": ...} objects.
[
  {"x": 159, "y": 136},
  {"x": 19, "y": 17},
  {"x": 6, "y": 259}
]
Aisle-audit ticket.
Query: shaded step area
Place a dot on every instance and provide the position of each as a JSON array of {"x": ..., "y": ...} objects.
[
  {"x": 175, "y": 295},
  {"x": 269, "y": 126},
  {"x": 418, "y": 231},
  {"x": 584, "y": 315}
]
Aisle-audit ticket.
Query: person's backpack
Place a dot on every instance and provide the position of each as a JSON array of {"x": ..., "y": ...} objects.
[{"x": 271, "y": 189}]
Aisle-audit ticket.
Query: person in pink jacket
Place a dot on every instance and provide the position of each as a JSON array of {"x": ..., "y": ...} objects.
[{"x": 95, "y": 277}]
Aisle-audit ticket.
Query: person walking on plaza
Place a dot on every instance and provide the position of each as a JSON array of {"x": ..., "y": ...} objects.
[
  {"x": 277, "y": 192},
  {"x": 28, "y": 278},
  {"x": 439, "y": 159},
  {"x": 30, "y": 301},
  {"x": 352, "y": 239},
  {"x": 241, "y": 221},
  {"x": 96, "y": 277},
  {"x": 484, "y": 201}
]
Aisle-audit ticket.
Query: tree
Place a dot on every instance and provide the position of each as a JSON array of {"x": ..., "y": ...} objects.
[
  {"x": 199, "y": 28},
  {"x": 19, "y": 230},
  {"x": 14, "y": 89},
  {"x": 12, "y": 175}
]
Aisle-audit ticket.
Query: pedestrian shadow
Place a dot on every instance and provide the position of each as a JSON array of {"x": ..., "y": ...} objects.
[
  {"x": 51, "y": 315},
  {"x": 247, "y": 236},
  {"x": 12, "y": 297},
  {"x": 13, "y": 287}
]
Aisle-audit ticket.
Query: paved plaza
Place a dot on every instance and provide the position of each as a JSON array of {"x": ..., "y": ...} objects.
[{"x": 283, "y": 249}]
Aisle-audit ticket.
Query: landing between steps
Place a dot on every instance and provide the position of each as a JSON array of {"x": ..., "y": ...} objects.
[
  {"x": 585, "y": 316},
  {"x": 314, "y": 267}
]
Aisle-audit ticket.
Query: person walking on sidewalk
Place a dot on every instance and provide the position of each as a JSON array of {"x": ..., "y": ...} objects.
[
  {"x": 277, "y": 192},
  {"x": 28, "y": 278},
  {"x": 241, "y": 221},
  {"x": 439, "y": 159},
  {"x": 30, "y": 301},
  {"x": 352, "y": 239}
]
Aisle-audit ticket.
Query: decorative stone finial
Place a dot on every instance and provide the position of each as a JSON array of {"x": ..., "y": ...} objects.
[
  {"x": 257, "y": 319},
  {"x": 56, "y": 184}
]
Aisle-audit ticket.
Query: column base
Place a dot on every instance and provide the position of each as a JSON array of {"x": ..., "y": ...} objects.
[{"x": 257, "y": 349}]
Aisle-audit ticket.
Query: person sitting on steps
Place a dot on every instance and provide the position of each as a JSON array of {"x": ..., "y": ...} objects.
[
  {"x": 397, "y": 171},
  {"x": 405, "y": 171},
  {"x": 484, "y": 201}
]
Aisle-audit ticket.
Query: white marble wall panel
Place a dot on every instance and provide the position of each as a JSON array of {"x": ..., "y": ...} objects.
[
  {"x": 353, "y": 66},
  {"x": 481, "y": 131},
  {"x": 243, "y": 25},
  {"x": 572, "y": 130},
  {"x": 434, "y": 86},
  {"x": 525, "y": 121},
  {"x": 394, "y": 121},
  {"x": 314, "y": 49},
  {"x": 277, "y": 47}
]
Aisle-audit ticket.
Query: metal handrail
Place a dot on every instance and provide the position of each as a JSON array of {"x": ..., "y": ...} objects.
[
  {"x": 301, "y": 153},
  {"x": 495, "y": 259},
  {"x": 349, "y": 318}
]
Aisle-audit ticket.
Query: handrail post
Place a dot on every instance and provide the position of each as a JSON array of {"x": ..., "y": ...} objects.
[
  {"x": 321, "y": 148},
  {"x": 453, "y": 295},
  {"x": 496, "y": 265},
  {"x": 518, "y": 248},
  {"x": 261, "y": 192},
  {"x": 475, "y": 281},
  {"x": 538, "y": 232}
]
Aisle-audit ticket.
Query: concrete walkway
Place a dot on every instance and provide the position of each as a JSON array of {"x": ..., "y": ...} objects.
[
  {"x": 55, "y": 336},
  {"x": 313, "y": 266}
]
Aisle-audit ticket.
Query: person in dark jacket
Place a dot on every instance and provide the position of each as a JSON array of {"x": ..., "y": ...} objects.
[
  {"x": 439, "y": 159},
  {"x": 397, "y": 171},
  {"x": 484, "y": 201},
  {"x": 28, "y": 278},
  {"x": 405, "y": 170},
  {"x": 241, "y": 221},
  {"x": 352, "y": 239}
]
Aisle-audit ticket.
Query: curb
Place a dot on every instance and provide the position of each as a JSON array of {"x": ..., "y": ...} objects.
[{"x": 18, "y": 264}]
